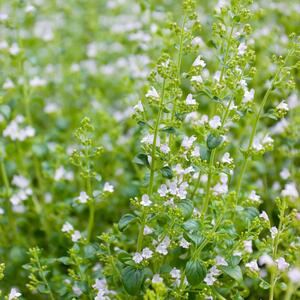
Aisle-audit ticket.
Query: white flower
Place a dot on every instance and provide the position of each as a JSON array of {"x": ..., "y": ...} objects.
[
  {"x": 164, "y": 148},
  {"x": 14, "y": 49},
  {"x": 152, "y": 93},
  {"x": 139, "y": 107},
  {"x": 37, "y": 82},
  {"x": 67, "y": 227},
  {"x": 14, "y": 293},
  {"x": 197, "y": 78},
  {"x": 197, "y": 41},
  {"x": 266, "y": 259},
  {"x": 294, "y": 275},
  {"x": 77, "y": 291},
  {"x": 199, "y": 62},
  {"x": 149, "y": 139},
  {"x": 267, "y": 140},
  {"x": 282, "y": 264},
  {"x": 137, "y": 257},
  {"x": 254, "y": 197},
  {"x": 156, "y": 279},
  {"x": 220, "y": 261},
  {"x": 285, "y": 174},
  {"x": 283, "y": 106},
  {"x": 184, "y": 243},
  {"x": 29, "y": 9},
  {"x": 190, "y": 100},
  {"x": 76, "y": 236},
  {"x": 248, "y": 96},
  {"x": 215, "y": 122},
  {"x": 187, "y": 142},
  {"x": 163, "y": 190},
  {"x": 242, "y": 48},
  {"x": 147, "y": 253},
  {"x": 8, "y": 84},
  {"x": 175, "y": 273},
  {"x": 163, "y": 246},
  {"x": 83, "y": 197},
  {"x": 20, "y": 181},
  {"x": 145, "y": 200},
  {"x": 248, "y": 246},
  {"x": 147, "y": 230},
  {"x": 274, "y": 232},
  {"x": 290, "y": 191},
  {"x": 226, "y": 158},
  {"x": 264, "y": 216},
  {"x": 108, "y": 187},
  {"x": 252, "y": 265}
]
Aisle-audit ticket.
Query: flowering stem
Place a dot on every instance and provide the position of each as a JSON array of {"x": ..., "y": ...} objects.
[
  {"x": 152, "y": 170},
  {"x": 91, "y": 200}
]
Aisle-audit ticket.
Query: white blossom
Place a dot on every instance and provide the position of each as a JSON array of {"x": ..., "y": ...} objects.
[{"x": 146, "y": 200}]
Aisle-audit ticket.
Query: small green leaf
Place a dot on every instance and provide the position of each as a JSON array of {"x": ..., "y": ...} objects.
[
  {"x": 186, "y": 207},
  {"x": 167, "y": 172},
  {"x": 234, "y": 272},
  {"x": 213, "y": 141},
  {"x": 125, "y": 221},
  {"x": 132, "y": 279},
  {"x": 191, "y": 225},
  {"x": 169, "y": 129},
  {"x": 195, "y": 272},
  {"x": 141, "y": 159}
]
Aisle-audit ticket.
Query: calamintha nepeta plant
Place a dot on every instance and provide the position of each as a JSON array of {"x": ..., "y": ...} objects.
[{"x": 186, "y": 187}]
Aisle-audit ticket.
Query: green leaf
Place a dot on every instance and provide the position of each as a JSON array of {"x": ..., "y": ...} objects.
[
  {"x": 191, "y": 225},
  {"x": 204, "y": 153},
  {"x": 195, "y": 272},
  {"x": 167, "y": 172},
  {"x": 213, "y": 141},
  {"x": 168, "y": 129},
  {"x": 141, "y": 159},
  {"x": 132, "y": 279},
  {"x": 196, "y": 238},
  {"x": 65, "y": 260},
  {"x": 234, "y": 272},
  {"x": 211, "y": 44},
  {"x": 125, "y": 221},
  {"x": 186, "y": 207}
]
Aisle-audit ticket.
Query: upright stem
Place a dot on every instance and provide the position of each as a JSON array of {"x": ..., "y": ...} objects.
[
  {"x": 152, "y": 168},
  {"x": 91, "y": 200}
]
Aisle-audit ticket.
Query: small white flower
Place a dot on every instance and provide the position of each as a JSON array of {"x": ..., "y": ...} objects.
[
  {"x": 37, "y": 82},
  {"x": 137, "y": 257},
  {"x": 147, "y": 230},
  {"x": 163, "y": 190},
  {"x": 290, "y": 191},
  {"x": 146, "y": 200},
  {"x": 266, "y": 259},
  {"x": 285, "y": 174},
  {"x": 76, "y": 236},
  {"x": 197, "y": 78},
  {"x": 199, "y": 62},
  {"x": 283, "y": 106},
  {"x": 242, "y": 48},
  {"x": 282, "y": 264},
  {"x": 20, "y": 181},
  {"x": 252, "y": 265},
  {"x": 139, "y": 107},
  {"x": 147, "y": 253},
  {"x": 197, "y": 41},
  {"x": 274, "y": 232},
  {"x": 156, "y": 279},
  {"x": 8, "y": 84},
  {"x": 294, "y": 275},
  {"x": 220, "y": 261},
  {"x": 152, "y": 93},
  {"x": 184, "y": 243},
  {"x": 14, "y": 294},
  {"x": 30, "y": 9},
  {"x": 264, "y": 216},
  {"x": 175, "y": 273},
  {"x": 14, "y": 49},
  {"x": 162, "y": 248},
  {"x": 187, "y": 142},
  {"x": 164, "y": 148},
  {"x": 76, "y": 290},
  {"x": 67, "y": 227},
  {"x": 248, "y": 96},
  {"x": 248, "y": 246},
  {"x": 226, "y": 158},
  {"x": 215, "y": 122},
  {"x": 254, "y": 197},
  {"x": 190, "y": 100},
  {"x": 83, "y": 197},
  {"x": 108, "y": 187}
]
